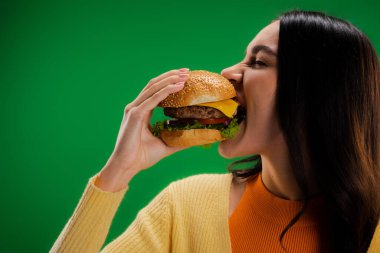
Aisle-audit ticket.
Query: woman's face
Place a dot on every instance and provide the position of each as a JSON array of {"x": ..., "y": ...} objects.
[{"x": 255, "y": 80}]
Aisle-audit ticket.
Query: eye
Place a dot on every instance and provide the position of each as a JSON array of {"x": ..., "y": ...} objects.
[{"x": 253, "y": 63}]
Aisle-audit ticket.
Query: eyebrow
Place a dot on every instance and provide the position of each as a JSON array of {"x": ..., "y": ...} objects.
[{"x": 258, "y": 48}]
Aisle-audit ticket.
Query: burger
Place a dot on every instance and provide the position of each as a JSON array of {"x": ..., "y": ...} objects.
[{"x": 203, "y": 112}]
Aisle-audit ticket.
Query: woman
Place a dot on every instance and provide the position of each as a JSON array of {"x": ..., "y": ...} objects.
[{"x": 310, "y": 86}]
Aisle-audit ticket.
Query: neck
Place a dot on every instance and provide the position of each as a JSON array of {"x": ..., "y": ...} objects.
[{"x": 278, "y": 176}]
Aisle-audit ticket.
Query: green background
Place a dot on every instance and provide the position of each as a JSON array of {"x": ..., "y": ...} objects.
[{"x": 68, "y": 68}]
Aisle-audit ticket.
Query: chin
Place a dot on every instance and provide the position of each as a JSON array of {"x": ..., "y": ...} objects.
[{"x": 234, "y": 147}]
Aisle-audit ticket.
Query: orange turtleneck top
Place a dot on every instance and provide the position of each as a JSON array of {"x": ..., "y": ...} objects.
[{"x": 260, "y": 217}]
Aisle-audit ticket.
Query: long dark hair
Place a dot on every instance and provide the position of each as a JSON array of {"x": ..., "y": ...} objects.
[{"x": 328, "y": 107}]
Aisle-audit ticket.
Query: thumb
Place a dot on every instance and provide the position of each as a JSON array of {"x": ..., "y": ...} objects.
[{"x": 172, "y": 150}]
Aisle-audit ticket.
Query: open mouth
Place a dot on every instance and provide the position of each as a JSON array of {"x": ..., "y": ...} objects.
[{"x": 241, "y": 114}]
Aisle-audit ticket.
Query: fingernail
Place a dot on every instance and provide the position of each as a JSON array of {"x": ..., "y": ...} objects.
[
  {"x": 180, "y": 83},
  {"x": 183, "y": 70},
  {"x": 183, "y": 75}
]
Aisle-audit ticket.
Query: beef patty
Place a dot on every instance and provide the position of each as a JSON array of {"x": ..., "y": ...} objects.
[{"x": 196, "y": 112}]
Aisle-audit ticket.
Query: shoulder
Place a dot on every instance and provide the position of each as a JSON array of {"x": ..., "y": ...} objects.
[
  {"x": 202, "y": 186},
  {"x": 194, "y": 195},
  {"x": 203, "y": 181}
]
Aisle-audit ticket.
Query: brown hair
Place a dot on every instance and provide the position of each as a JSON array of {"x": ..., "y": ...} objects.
[{"x": 328, "y": 95}]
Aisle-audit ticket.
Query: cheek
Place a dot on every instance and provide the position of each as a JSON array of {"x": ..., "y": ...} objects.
[
  {"x": 260, "y": 88},
  {"x": 261, "y": 118},
  {"x": 260, "y": 127}
]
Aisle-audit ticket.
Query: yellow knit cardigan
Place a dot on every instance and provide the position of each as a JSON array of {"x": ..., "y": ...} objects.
[{"x": 190, "y": 215}]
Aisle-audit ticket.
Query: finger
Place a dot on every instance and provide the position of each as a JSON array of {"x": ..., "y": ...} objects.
[
  {"x": 159, "y": 86},
  {"x": 165, "y": 75},
  {"x": 170, "y": 77},
  {"x": 152, "y": 102}
]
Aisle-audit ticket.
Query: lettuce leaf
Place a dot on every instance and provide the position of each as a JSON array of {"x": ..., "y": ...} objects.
[
  {"x": 157, "y": 127},
  {"x": 231, "y": 130}
]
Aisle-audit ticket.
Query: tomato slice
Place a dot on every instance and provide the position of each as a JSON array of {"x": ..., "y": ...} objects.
[{"x": 212, "y": 121}]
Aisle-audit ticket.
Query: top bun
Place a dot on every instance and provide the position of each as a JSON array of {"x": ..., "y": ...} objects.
[{"x": 201, "y": 87}]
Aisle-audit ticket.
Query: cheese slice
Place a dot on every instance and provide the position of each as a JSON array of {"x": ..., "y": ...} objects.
[{"x": 227, "y": 107}]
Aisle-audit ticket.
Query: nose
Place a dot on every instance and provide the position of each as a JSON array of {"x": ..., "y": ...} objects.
[
  {"x": 235, "y": 75},
  {"x": 232, "y": 73}
]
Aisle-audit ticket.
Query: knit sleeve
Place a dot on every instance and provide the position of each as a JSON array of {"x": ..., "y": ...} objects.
[
  {"x": 150, "y": 231},
  {"x": 88, "y": 227}
]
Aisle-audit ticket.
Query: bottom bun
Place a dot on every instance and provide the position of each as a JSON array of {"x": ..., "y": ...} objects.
[{"x": 192, "y": 137}]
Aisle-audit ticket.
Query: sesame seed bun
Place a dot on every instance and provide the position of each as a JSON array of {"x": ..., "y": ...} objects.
[
  {"x": 201, "y": 87},
  {"x": 188, "y": 138}
]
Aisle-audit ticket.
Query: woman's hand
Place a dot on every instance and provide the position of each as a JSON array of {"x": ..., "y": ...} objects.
[{"x": 136, "y": 148}]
